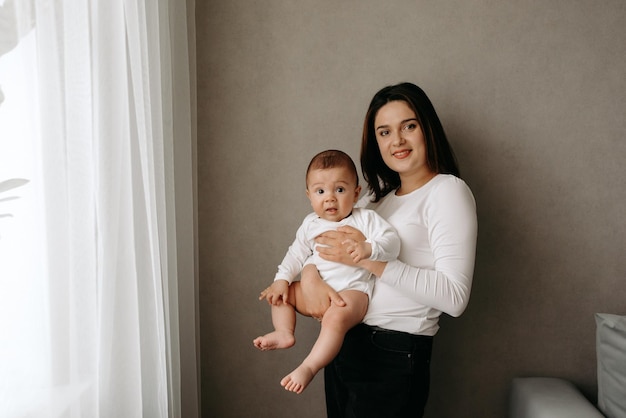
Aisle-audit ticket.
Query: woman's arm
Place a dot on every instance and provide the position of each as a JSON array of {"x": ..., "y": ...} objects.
[
  {"x": 445, "y": 292},
  {"x": 452, "y": 232}
]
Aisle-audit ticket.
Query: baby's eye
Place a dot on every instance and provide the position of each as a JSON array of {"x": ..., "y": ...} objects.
[
  {"x": 319, "y": 191},
  {"x": 340, "y": 189}
]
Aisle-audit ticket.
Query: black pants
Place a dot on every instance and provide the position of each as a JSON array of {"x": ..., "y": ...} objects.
[{"x": 379, "y": 373}]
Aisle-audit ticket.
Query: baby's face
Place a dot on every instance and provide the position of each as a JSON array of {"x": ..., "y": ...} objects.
[{"x": 332, "y": 192}]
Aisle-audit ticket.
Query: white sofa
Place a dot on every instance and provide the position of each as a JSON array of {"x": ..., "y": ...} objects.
[{"x": 549, "y": 397}]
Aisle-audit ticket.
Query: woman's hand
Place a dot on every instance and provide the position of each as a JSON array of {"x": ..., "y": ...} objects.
[
  {"x": 347, "y": 245},
  {"x": 315, "y": 295},
  {"x": 339, "y": 245}
]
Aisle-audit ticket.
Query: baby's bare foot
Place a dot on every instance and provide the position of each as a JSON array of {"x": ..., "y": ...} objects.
[
  {"x": 298, "y": 380},
  {"x": 274, "y": 340}
]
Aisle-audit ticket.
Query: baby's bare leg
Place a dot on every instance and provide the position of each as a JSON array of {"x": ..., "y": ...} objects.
[
  {"x": 335, "y": 323},
  {"x": 284, "y": 321}
]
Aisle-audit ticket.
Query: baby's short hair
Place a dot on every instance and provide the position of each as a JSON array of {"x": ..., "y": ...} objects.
[{"x": 330, "y": 159}]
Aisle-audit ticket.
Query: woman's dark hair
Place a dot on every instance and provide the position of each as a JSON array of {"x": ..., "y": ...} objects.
[{"x": 439, "y": 154}]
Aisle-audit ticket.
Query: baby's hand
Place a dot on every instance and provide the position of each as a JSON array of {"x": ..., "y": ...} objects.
[
  {"x": 358, "y": 250},
  {"x": 276, "y": 293}
]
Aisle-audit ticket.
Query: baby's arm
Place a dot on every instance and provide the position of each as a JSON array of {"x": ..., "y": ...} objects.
[
  {"x": 382, "y": 243},
  {"x": 358, "y": 250},
  {"x": 385, "y": 242},
  {"x": 289, "y": 268}
]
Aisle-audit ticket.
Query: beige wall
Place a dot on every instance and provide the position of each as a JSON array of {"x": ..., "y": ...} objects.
[{"x": 532, "y": 95}]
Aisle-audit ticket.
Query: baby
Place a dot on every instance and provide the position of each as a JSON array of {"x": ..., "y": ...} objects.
[{"x": 332, "y": 187}]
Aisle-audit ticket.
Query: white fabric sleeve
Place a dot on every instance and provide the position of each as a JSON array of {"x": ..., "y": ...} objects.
[
  {"x": 296, "y": 256},
  {"x": 382, "y": 237},
  {"x": 452, "y": 230}
]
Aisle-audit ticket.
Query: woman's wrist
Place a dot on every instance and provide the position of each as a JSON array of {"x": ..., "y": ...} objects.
[{"x": 375, "y": 267}]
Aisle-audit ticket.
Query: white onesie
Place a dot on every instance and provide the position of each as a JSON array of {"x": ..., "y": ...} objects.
[{"x": 380, "y": 234}]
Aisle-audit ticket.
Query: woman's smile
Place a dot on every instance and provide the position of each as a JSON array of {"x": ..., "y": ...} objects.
[{"x": 402, "y": 154}]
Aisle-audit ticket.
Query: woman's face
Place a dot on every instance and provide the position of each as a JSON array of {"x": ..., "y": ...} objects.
[{"x": 401, "y": 140}]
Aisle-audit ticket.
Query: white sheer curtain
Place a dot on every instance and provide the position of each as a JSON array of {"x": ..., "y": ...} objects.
[{"x": 96, "y": 196}]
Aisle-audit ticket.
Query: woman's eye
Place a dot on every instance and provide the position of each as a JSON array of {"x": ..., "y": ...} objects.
[{"x": 410, "y": 126}]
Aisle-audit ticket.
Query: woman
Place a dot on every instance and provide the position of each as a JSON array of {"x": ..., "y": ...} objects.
[{"x": 383, "y": 367}]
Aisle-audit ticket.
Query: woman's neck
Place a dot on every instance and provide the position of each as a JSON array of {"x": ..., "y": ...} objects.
[{"x": 409, "y": 184}]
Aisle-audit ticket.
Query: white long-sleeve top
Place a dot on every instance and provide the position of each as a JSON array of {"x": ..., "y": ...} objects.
[
  {"x": 438, "y": 228},
  {"x": 380, "y": 234}
]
